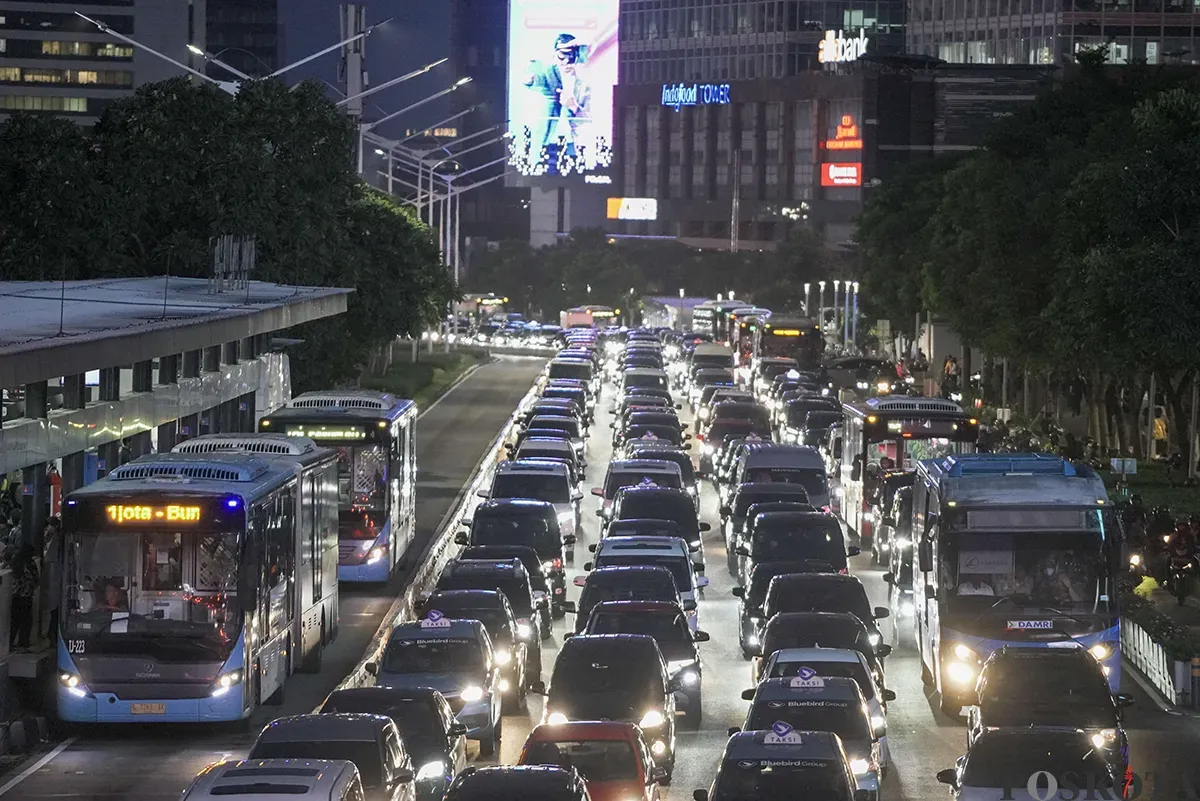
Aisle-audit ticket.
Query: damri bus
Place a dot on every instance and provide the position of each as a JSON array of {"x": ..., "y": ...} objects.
[
  {"x": 791, "y": 337},
  {"x": 904, "y": 430},
  {"x": 375, "y": 439},
  {"x": 1012, "y": 549},
  {"x": 195, "y": 583}
]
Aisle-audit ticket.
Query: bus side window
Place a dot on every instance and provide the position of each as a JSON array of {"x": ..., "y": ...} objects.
[{"x": 399, "y": 471}]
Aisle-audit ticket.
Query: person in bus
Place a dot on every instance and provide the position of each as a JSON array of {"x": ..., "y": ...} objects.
[
  {"x": 1053, "y": 584},
  {"x": 113, "y": 599},
  {"x": 974, "y": 585}
]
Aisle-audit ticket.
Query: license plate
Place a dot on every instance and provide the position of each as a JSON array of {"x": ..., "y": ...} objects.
[{"x": 148, "y": 709}]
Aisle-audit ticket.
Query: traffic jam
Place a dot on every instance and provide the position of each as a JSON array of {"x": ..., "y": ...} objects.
[{"x": 664, "y": 487}]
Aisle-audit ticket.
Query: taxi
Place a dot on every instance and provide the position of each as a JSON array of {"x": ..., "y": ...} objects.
[
  {"x": 613, "y": 758},
  {"x": 783, "y": 764},
  {"x": 454, "y": 657},
  {"x": 813, "y": 703}
]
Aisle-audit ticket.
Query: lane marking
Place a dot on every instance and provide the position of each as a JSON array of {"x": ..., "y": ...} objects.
[
  {"x": 36, "y": 766},
  {"x": 470, "y": 372}
]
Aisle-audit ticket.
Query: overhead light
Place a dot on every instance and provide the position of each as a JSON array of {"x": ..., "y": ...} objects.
[
  {"x": 379, "y": 152},
  {"x": 195, "y": 50},
  {"x": 461, "y": 82}
]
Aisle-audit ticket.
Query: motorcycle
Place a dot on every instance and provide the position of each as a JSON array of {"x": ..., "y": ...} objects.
[{"x": 1181, "y": 576}]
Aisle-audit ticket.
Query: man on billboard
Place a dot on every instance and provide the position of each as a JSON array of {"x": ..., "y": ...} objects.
[{"x": 564, "y": 94}]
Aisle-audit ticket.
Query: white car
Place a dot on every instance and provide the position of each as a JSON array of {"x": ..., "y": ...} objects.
[
  {"x": 842, "y": 663},
  {"x": 669, "y": 552},
  {"x": 540, "y": 481}
]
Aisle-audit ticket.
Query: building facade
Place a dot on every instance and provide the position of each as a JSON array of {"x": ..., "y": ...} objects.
[{"x": 244, "y": 34}]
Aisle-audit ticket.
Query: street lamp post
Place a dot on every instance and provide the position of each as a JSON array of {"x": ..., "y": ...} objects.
[
  {"x": 837, "y": 328},
  {"x": 846, "y": 317},
  {"x": 854, "y": 330},
  {"x": 821, "y": 306},
  {"x": 363, "y": 129},
  {"x": 807, "y": 298},
  {"x": 681, "y": 295}
]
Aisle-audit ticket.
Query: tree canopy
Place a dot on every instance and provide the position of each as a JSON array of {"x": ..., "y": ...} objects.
[{"x": 164, "y": 171}]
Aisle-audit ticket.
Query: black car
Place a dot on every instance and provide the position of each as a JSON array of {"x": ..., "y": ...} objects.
[
  {"x": 538, "y": 579},
  {"x": 637, "y": 419},
  {"x": 1007, "y": 758},
  {"x": 527, "y": 523},
  {"x": 667, "y": 624},
  {"x": 623, "y": 583},
  {"x": 620, "y": 677},
  {"x": 773, "y": 536},
  {"x": 734, "y": 515},
  {"x": 1065, "y": 688},
  {"x": 665, "y": 433},
  {"x": 820, "y": 630},
  {"x": 751, "y": 597},
  {"x": 433, "y": 738},
  {"x": 509, "y": 577},
  {"x": 682, "y": 458},
  {"x": 554, "y": 407},
  {"x": 492, "y": 609},
  {"x": 884, "y": 513},
  {"x": 823, "y": 592},
  {"x": 508, "y": 782},
  {"x": 577, "y": 394},
  {"x": 660, "y": 503},
  {"x": 717, "y": 435}
]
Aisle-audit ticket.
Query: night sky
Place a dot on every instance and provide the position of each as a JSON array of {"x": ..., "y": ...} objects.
[{"x": 418, "y": 35}]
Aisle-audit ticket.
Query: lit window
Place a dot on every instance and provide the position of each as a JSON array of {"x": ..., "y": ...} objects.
[
  {"x": 86, "y": 76},
  {"x": 10, "y": 73}
]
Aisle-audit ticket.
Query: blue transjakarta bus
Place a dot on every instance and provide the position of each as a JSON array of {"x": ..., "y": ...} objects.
[
  {"x": 375, "y": 438},
  {"x": 1011, "y": 549},
  {"x": 194, "y": 584}
]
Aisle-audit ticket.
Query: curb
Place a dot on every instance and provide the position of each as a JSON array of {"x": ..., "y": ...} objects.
[{"x": 24, "y": 734}]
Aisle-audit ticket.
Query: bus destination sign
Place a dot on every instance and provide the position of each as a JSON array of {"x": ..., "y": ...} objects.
[
  {"x": 121, "y": 513},
  {"x": 326, "y": 433}
]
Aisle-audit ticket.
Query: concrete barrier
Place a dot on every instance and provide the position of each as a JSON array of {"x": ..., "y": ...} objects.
[{"x": 442, "y": 549}]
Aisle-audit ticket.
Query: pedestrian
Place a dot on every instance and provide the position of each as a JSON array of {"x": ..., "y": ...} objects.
[
  {"x": 25, "y": 587},
  {"x": 52, "y": 540}
]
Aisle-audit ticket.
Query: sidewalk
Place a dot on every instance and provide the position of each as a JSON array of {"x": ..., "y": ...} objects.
[{"x": 1187, "y": 615}]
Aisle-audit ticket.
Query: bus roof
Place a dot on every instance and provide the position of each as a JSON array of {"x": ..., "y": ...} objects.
[
  {"x": 193, "y": 474},
  {"x": 1014, "y": 479},
  {"x": 300, "y": 450},
  {"x": 359, "y": 404},
  {"x": 903, "y": 407}
]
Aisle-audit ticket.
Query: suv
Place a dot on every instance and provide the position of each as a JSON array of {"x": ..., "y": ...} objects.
[
  {"x": 752, "y": 595},
  {"x": 510, "y": 577},
  {"x": 628, "y": 583},
  {"x": 635, "y": 472},
  {"x": 528, "y": 523},
  {"x": 824, "y": 592},
  {"x": 538, "y": 580},
  {"x": 669, "y": 552},
  {"x": 659, "y": 503},
  {"x": 541, "y": 481},
  {"x": 517, "y": 781}
]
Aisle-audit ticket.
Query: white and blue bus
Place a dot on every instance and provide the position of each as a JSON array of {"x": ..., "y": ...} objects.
[
  {"x": 195, "y": 583},
  {"x": 374, "y": 435},
  {"x": 1011, "y": 549}
]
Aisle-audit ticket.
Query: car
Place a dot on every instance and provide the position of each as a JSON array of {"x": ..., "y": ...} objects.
[
  {"x": 1001, "y": 761},
  {"x": 824, "y": 592},
  {"x": 633, "y": 472},
  {"x": 789, "y": 630},
  {"x": 782, "y": 763},
  {"x": 492, "y": 609},
  {"x": 371, "y": 742},
  {"x": 624, "y": 583},
  {"x": 667, "y": 624},
  {"x": 541, "y": 481},
  {"x": 716, "y": 435},
  {"x": 772, "y": 536},
  {"x": 641, "y": 420},
  {"x": 811, "y": 702},
  {"x": 613, "y": 758},
  {"x": 792, "y": 417},
  {"x": 642, "y": 377},
  {"x": 889, "y": 514},
  {"x": 1022, "y": 687},
  {"x": 529, "y": 523},
  {"x": 541, "y": 782},
  {"x": 750, "y": 411},
  {"x": 436, "y": 742},
  {"x": 734, "y": 513},
  {"x": 645, "y": 501},
  {"x": 620, "y": 677},
  {"x": 509, "y": 577},
  {"x": 751, "y": 596},
  {"x": 764, "y": 371},
  {"x": 672, "y": 553},
  {"x": 571, "y": 428},
  {"x": 641, "y": 527},
  {"x": 300, "y": 779},
  {"x": 680, "y": 458},
  {"x": 539, "y": 581},
  {"x": 454, "y": 657},
  {"x": 785, "y": 464}
]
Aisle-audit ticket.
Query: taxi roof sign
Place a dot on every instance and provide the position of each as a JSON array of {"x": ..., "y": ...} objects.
[
  {"x": 648, "y": 482},
  {"x": 435, "y": 620},
  {"x": 782, "y": 733},
  {"x": 807, "y": 677},
  {"x": 649, "y": 435}
]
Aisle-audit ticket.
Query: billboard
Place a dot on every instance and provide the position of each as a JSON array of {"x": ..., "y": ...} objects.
[
  {"x": 847, "y": 174},
  {"x": 562, "y": 67},
  {"x": 632, "y": 208}
]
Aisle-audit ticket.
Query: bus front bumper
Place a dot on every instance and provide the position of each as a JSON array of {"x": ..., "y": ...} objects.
[
  {"x": 365, "y": 573},
  {"x": 108, "y": 708}
]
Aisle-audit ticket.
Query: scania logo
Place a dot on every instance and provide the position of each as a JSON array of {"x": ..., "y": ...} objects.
[{"x": 147, "y": 672}]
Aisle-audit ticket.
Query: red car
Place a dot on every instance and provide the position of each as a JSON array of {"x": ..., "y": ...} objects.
[{"x": 612, "y": 758}]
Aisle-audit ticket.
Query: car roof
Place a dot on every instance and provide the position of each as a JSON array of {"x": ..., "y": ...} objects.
[
  {"x": 646, "y": 607},
  {"x": 533, "y": 465},
  {"x": 775, "y": 455},
  {"x": 318, "y": 776},
  {"x": 513, "y": 507},
  {"x": 833, "y": 688},
  {"x": 638, "y": 490},
  {"x": 339, "y": 727},
  {"x": 765, "y": 487},
  {"x": 749, "y": 745},
  {"x": 584, "y": 730},
  {"x": 494, "y": 596},
  {"x": 818, "y": 578},
  {"x": 608, "y": 641},
  {"x": 423, "y": 630},
  {"x": 643, "y": 466},
  {"x": 468, "y": 567},
  {"x": 813, "y": 618},
  {"x": 641, "y": 542},
  {"x": 616, "y": 572}
]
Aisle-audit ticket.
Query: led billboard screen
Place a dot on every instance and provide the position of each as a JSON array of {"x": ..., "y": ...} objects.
[{"x": 561, "y": 72}]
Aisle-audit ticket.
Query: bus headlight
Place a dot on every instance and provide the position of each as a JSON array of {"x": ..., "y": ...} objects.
[
  {"x": 472, "y": 694},
  {"x": 225, "y": 682},
  {"x": 963, "y": 653},
  {"x": 376, "y": 555},
  {"x": 74, "y": 684},
  {"x": 1100, "y": 651},
  {"x": 960, "y": 672},
  {"x": 556, "y": 718}
]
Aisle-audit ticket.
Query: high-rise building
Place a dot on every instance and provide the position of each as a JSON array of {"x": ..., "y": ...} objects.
[
  {"x": 244, "y": 34},
  {"x": 479, "y": 50},
  {"x": 55, "y": 62}
]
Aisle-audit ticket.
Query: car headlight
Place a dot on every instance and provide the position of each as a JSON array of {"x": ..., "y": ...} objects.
[
  {"x": 524, "y": 630},
  {"x": 883, "y": 386},
  {"x": 704, "y": 413},
  {"x": 868, "y": 516},
  {"x": 862, "y": 385},
  {"x": 902, "y": 543},
  {"x": 859, "y": 766},
  {"x": 503, "y": 657},
  {"x": 556, "y": 718},
  {"x": 878, "y": 723},
  {"x": 676, "y": 665},
  {"x": 874, "y": 638},
  {"x": 548, "y": 565},
  {"x": 652, "y": 719},
  {"x": 1100, "y": 651},
  {"x": 708, "y": 450},
  {"x": 689, "y": 677},
  {"x": 472, "y": 694},
  {"x": 1135, "y": 560},
  {"x": 431, "y": 770},
  {"x": 1104, "y": 738},
  {"x": 693, "y": 490}
]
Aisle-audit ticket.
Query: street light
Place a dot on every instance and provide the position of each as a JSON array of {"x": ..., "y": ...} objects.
[
  {"x": 213, "y": 59},
  {"x": 388, "y": 84},
  {"x": 821, "y": 305},
  {"x": 836, "y": 327},
  {"x": 854, "y": 330},
  {"x": 363, "y": 129},
  {"x": 807, "y": 298}
]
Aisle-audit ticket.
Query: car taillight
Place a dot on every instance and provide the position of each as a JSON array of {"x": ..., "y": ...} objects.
[
  {"x": 699, "y": 438},
  {"x": 558, "y": 563},
  {"x": 844, "y": 571}
]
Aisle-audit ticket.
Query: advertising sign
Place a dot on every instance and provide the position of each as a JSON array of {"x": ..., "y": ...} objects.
[
  {"x": 846, "y": 137},
  {"x": 677, "y": 95},
  {"x": 838, "y": 49},
  {"x": 632, "y": 208},
  {"x": 833, "y": 174},
  {"x": 561, "y": 72}
]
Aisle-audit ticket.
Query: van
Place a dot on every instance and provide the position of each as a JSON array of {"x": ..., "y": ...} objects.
[
  {"x": 268, "y": 779},
  {"x": 785, "y": 464}
]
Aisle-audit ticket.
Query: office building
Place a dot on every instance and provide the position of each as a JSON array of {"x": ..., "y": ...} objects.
[
  {"x": 54, "y": 62},
  {"x": 244, "y": 34}
]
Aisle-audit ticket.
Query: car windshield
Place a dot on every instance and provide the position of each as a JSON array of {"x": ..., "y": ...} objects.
[
  {"x": 596, "y": 760},
  {"x": 1039, "y": 570},
  {"x": 1046, "y": 682},
  {"x": 821, "y": 419},
  {"x": 515, "y": 589},
  {"x": 781, "y": 779},
  {"x": 680, "y": 567},
  {"x": 1010, "y": 761},
  {"x": 632, "y": 478},
  {"x": 673, "y": 506},
  {"x": 645, "y": 380},
  {"x": 742, "y": 501},
  {"x": 365, "y": 755},
  {"x": 551, "y": 487},
  {"x": 828, "y": 670},
  {"x": 629, "y": 589},
  {"x": 847, "y": 633},
  {"x": 567, "y": 425},
  {"x": 776, "y": 541},
  {"x": 731, "y": 410},
  {"x": 571, "y": 369},
  {"x": 613, "y": 671},
  {"x": 670, "y": 434},
  {"x": 844, "y": 718},
  {"x": 419, "y": 722},
  {"x": 441, "y": 655},
  {"x": 681, "y": 458},
  {"x": 662, "y": 627},
  {"x": 821, "y": 596},
  {"x": 532, "y": 532},
  {"x": 728, "y": 429},
  {"x": 813, "y": 481}
]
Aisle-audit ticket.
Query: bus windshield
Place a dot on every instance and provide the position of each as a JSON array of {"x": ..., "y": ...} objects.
[
  {"x": 163, "y": 595},
  {"x": 1027, "y": 570}
]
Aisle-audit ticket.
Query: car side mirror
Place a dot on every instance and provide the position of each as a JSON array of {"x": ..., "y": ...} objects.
[
  {"x": 881, "y": 612},
  {"x": 371, "y": 668},
  {"x": 748, "y": 695},
  {"x": 568, "y": 635},
  {"x": 889, "y": 695},
  {"x": 702, "y": 582},
  {"x": 598, "y": 492},
  {"x": 579, "y": 581},
  {"x": 587, "y": 566},
  {"x": 732, "y": 730},
  {"x": 537, "y": 687},
  {"x": 457, "y": 729},
  {"x": 948, "y": 776},
  {"x": 688, "y": 447},
  {"x": 856, "y": 472},
  {"x": 853, "y": 550},
  {"x": 930, "y": 593},
  {"x": 700, "y": 795},
  {"x": 889, "y": 578},
  {"x": 402, "y": 776},
  {"x": 600, "y": 512},
  {"x": 482, "y": 494},
  {"x": 726, "y": 511},
  {"x": 700, "y": 636},
  {"x": 577, "y": 496},
  {"x": 687, "y": 437},
  {"x": 592, "y": 548},
  {"x": 462, "y": 538},
  {"x": 678, "y": 406},
  {"x": 658, "y": 775},
  {"x": 742, "y": 550},
  {"x": 1123, "y": 699},
  {"x": 738, "y": 592},
  {"x": 883, "y": 651},
  {"x": 706, "y": 527}
]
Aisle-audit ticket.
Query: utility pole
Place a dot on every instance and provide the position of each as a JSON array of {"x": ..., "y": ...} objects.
[
  {"x": 734, "y": 212},
  {"x": 353, "y": 20}
]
